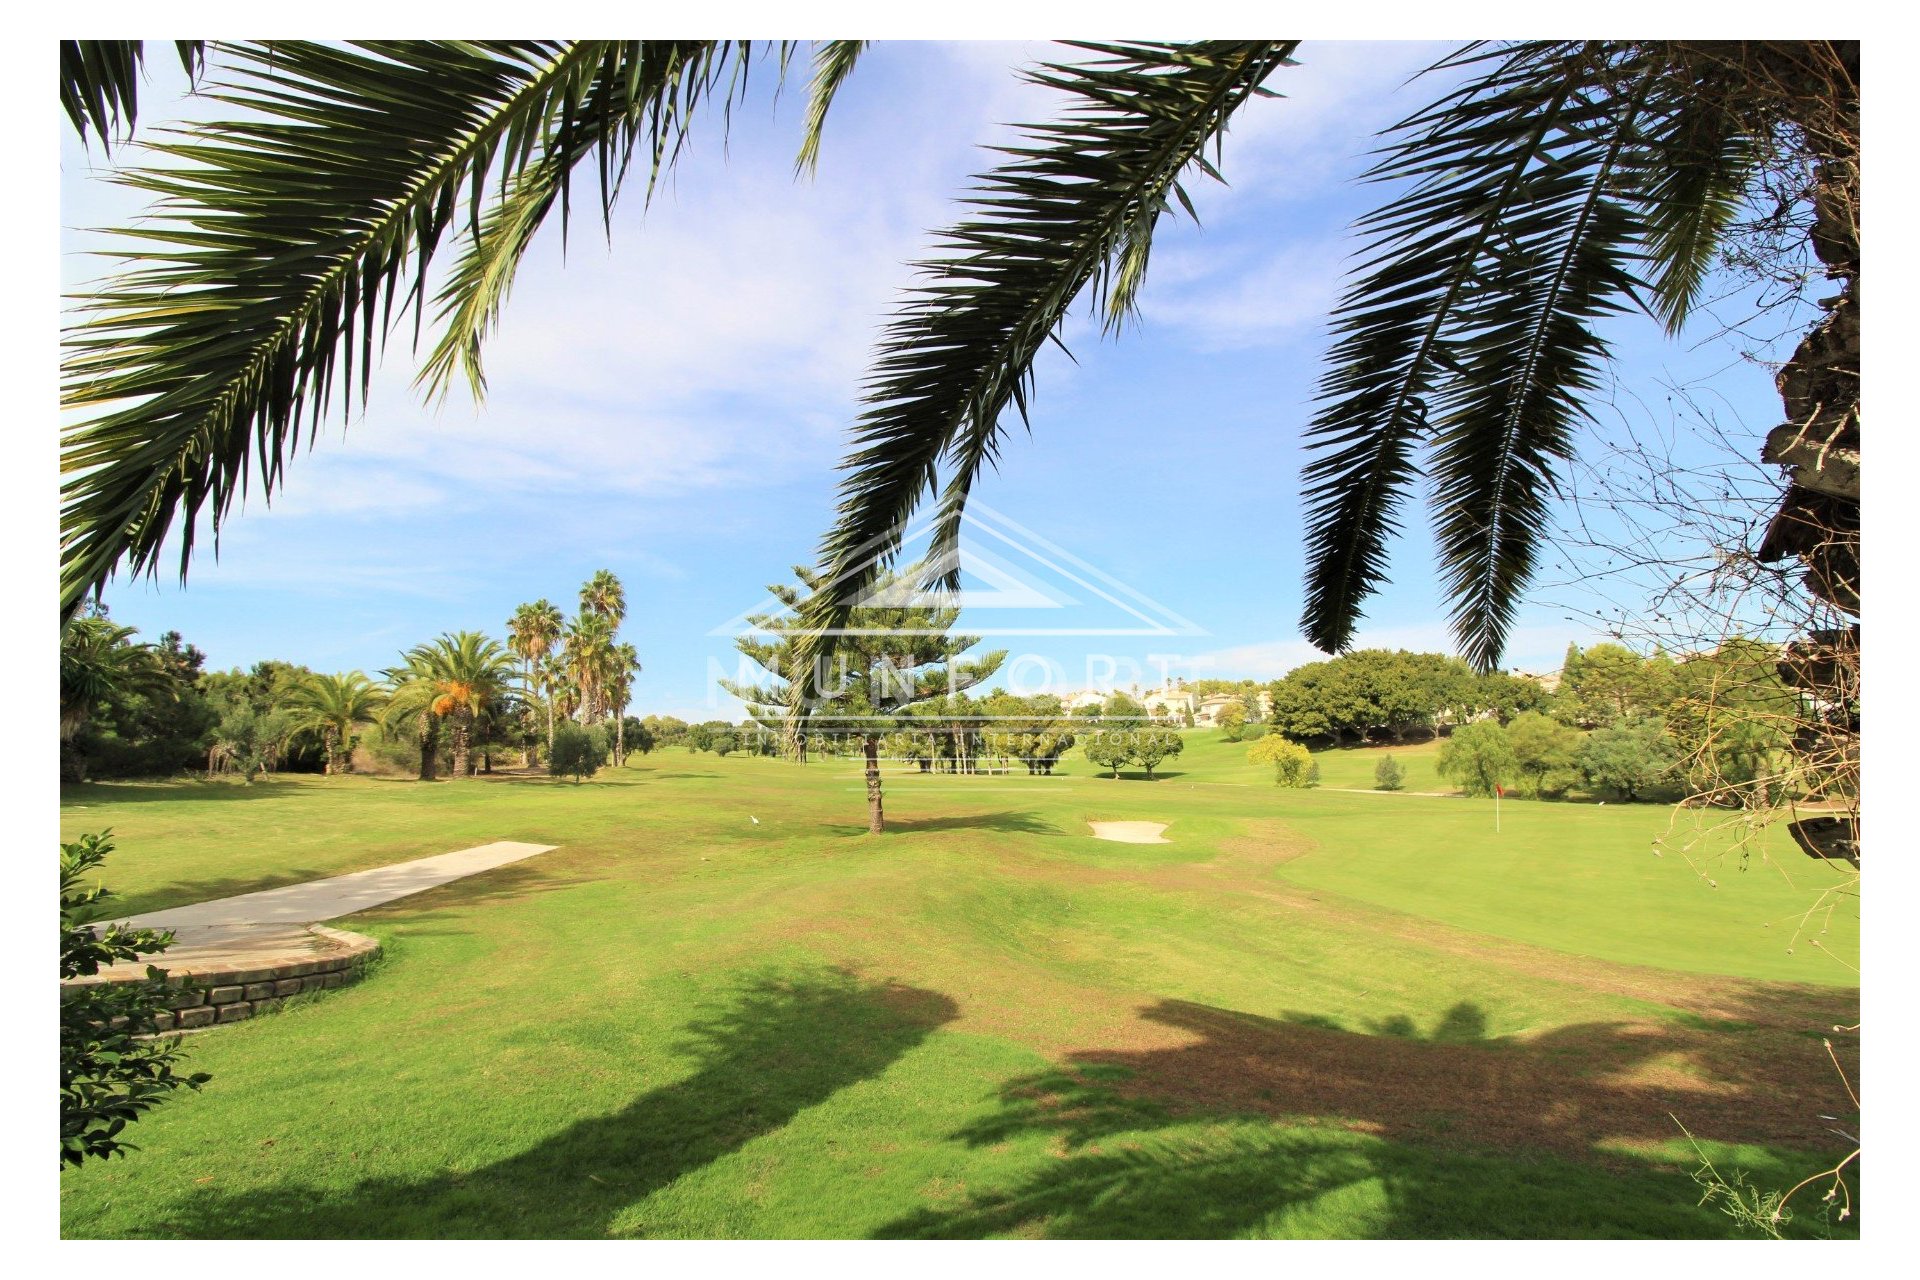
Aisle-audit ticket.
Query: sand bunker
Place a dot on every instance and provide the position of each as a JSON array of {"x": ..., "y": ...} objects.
[{"x": 1130, "y": 832}]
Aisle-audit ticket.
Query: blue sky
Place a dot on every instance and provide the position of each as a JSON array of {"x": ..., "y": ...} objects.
[{"x": 672, "y": 407}]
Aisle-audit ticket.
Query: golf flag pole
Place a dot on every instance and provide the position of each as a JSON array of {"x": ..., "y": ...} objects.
[{"x": 1498, "y": 791}]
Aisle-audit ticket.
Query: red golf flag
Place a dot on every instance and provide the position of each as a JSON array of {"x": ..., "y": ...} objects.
[{"x": 1499, "y": 790}]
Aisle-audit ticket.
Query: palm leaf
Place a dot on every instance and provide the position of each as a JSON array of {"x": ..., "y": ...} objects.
[
  {"x": 100, "y": 83},
  {"x": 1471, "y": 156},
  {"x": 282, "y": 241},
  {"x": 1073, "y": 205},
  {"x": 833, "y": 62}
]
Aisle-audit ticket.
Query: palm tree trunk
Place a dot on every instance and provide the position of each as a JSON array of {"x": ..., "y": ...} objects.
[
  {"x": 429, "y": 748},
  {"x": 876, "y": 817},
  {"x": 462, "y": 755},
  {"x": 330, "y": 738}
]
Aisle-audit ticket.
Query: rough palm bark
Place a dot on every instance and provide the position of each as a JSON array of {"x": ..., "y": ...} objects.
[
  {"x": 1819, "y": 518},
  {"x": 876, "y": 817}
]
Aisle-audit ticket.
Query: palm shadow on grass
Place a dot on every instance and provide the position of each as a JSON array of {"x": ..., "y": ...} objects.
[
  {"x": 176, "y": 791},
  {"x": 1010, "y": 822},
  {"x": 777, "y": 1046},
  {"x": 1445, "y": 1132}
]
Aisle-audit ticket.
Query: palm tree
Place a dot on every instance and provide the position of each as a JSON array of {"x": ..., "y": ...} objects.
[
  {"x": 467, "y": 672},
  {"x": 334, "y": 706},
  {"x": 98, "y": 660},
  {"x": 531, "y": 634},
  {"x": 623, "y": 666},
  {"x": 411, "y": 695},
  {"x": 1562, "y": 182},
  {"x": 603, "y": 594},
  {"x": 589, "y": 646}
]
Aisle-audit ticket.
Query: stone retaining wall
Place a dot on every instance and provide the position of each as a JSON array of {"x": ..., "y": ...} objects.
[{"x": 207, "y": 997}]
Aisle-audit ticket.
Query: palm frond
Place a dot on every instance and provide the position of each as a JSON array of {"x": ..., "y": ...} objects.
[
  {"x": 665, "y": 96},
  {"x": 1472, "y": 156},
  {"x": 833, "y": 62},
  {"x": 1072, "y": 206},
  {"x": 284, "y": 240}
]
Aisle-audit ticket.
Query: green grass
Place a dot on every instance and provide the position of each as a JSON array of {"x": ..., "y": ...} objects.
[{"x": 1309, "y": 1014}]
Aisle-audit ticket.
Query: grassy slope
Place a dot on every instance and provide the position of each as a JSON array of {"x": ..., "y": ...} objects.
[{"x": 685, "y": 1023}]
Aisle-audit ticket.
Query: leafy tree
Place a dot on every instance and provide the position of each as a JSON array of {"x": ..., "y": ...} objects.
[
  {"x": 1734, "y": 720},
  {"x": 1629, "y": 758},
  {"x": 1291, "y": 761},
  {"x": 144, "y": 729},
  {"x": 334, "y": 706},
  {"x": 699, "y": 737},
  {"x": 1508, "y": 695},
  {"x": 111, "y": 1071},
  {"x": 1109, "y": 748},
  {"x": 1477, "y": 758},
  {"x": 639, "y": 735},
  {"x": 1387, "y": 775},
  {"x": 1612, "y": 683},
  {"x": 1544, "y": 751},
  {"x": 1232, "y": 721},
  {"x": 576, "y": 753},
  {"x": 1151, "y": 746},
  {"x": 98, "y": 660}
]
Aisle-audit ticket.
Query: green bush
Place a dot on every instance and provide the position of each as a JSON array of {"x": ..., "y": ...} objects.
[
  {"x": 110, "y": 1072},
  {"x": 1293, "y": 765},
  {"x": 577, "y": 753},
  {"x": 1477, "y": 758},
  {"x": 1388, "y": 775}
]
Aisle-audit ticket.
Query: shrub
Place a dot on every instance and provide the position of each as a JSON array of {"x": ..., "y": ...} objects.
[
  {"x": 1388, "y": 776},
  {"x": 1293, "y": 765},
  {"x": 109, "y": 1075},
  {"x": 576, "y": 752}
]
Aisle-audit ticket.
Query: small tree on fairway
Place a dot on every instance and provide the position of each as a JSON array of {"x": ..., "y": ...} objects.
[
  {"x": 1387, "y": 775},
  {"x": 1232, "y": 720},
  {"x": 1110, "y": 748},
  {"x": 108, "y": 1077},
  {"x": 1478, "y": 758},
  {"x": 1291, "y": 762},
  {"x": 575, "y": 753},
  {"x": 1151, "y": 746}
]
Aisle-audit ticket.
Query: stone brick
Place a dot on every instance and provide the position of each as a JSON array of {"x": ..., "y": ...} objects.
[
  {"x": 336, "y": 980},
  {"x": 313, "y": 982},
  {"x": 225, "y": 995},
  {"x": 267, "y": 1004},
  {"x": 254, "y": 990},
  {"x": 286, "y": 986},
  {"x": 235, "y": 1012},
  {"x": 189, "y": 999},
  {"x": 199, "y": 1016},
  {"x": 163, "y": 1021}
]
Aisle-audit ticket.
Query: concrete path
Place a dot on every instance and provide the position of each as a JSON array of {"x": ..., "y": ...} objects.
[{"x": 279, "y": 910}]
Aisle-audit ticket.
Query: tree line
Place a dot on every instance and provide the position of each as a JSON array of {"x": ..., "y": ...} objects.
[{"x": 447, "y": 706}]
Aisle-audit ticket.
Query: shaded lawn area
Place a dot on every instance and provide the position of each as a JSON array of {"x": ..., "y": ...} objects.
[{"x": 684, "y": 1023}]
